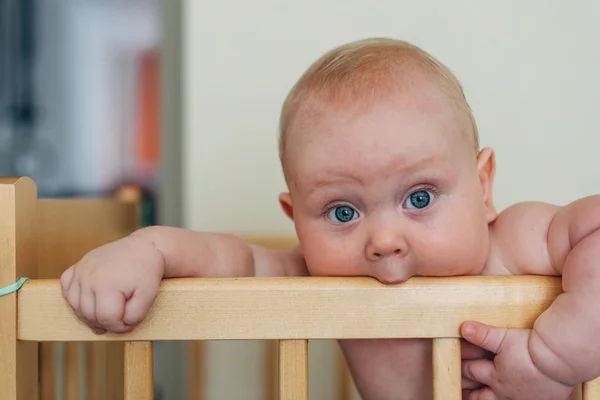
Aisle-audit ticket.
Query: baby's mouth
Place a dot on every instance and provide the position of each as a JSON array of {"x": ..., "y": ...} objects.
[{"x": 392, "y": 281}]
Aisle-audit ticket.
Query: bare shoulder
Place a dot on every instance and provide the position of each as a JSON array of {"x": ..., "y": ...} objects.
[
  {"x": 520, "y": 235},
  {"x": 572, "y": 224}
]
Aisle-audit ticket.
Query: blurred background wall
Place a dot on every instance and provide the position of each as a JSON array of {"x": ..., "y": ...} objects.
[{"x": 181, "y": 97}]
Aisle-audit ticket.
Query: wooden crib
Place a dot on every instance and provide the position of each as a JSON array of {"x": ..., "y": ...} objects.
[{"x": 40, "y": 238}]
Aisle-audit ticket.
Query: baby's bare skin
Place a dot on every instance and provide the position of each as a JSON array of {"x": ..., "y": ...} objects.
[
  {"x": 526, "y": 239},
  {"x": 391, "y": 191},
  {"x": 382, "y": 369}
]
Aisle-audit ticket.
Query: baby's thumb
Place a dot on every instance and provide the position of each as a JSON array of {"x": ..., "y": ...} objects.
[{"x": 485, "y": 336}]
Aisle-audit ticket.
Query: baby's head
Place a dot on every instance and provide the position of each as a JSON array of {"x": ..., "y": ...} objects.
[{"x": 380, "y": 153}]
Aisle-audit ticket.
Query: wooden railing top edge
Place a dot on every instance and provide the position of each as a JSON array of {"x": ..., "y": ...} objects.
[
  {"x": 302, "y": 308},
  {"x": 12, "y": 180}
]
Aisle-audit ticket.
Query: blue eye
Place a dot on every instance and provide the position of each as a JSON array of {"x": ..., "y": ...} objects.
[
  {"x": 342, "y": 214},
  {"x": 419, "y": 199}
]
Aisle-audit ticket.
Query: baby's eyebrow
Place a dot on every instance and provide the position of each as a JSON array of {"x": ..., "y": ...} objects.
[
  {"x": 407, "y": 167},
  {"x": 323, "y": 187},
  {"x": 421, "y": 169},
  {"x": 324, "y": 181}
]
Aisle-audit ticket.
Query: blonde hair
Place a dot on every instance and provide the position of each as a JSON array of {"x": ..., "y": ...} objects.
[{"x": 360, "y": 71}]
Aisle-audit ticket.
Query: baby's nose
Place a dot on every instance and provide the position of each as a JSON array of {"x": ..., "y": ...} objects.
[
  {"x": 383, "y": 253},
  {"x": 385, "y": 243}
]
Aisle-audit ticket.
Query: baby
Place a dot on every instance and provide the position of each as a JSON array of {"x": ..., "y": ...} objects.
[{"x": 386, "y": 179}]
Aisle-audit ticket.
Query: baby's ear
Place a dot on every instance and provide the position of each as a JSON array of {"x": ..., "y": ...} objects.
[
  {"x": 285, "y": 200},
  {"x": 486, "y": 168}
]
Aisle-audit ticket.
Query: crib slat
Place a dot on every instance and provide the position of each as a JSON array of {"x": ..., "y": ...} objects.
[
  {"x": 139, "y": 371},
  {"x": 591, "y": 390},
  {"x": 71, "y": 377},
  {"x": 446, "y": 369},
  {"x": 115, "y": 365},
  {"x": 271, "y": 366},
  {"x": 196, "y": 354},
  {"x": 293, "y": 369},
  {"x": 96, "y": 371},
  {"x": 18, "y": 360},
  {"x": 346, "y": 382},
  {"x": 48, "y": 355}
]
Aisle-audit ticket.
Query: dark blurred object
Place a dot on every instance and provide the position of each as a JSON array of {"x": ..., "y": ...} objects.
[
  {"x": 79, "y": 94},
  {"x": 17, "y": 87}
]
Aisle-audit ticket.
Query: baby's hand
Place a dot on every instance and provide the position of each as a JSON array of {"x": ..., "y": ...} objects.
[
  {"x": 112, "y": 287},
  {"x": 511, "y": 374}
]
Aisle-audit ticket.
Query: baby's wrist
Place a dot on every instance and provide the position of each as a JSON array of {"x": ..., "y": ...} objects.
[{"x": 145, "y": 236}]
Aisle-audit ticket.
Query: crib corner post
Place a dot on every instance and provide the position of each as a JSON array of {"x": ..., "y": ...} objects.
[{"x": 18, "y": 259}]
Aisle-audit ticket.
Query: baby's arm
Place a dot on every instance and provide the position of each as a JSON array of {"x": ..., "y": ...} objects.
[
  {"x": 564, "y": 343},
  {"x": 112, "y": 287},
  {"x": 560, "y": 351}
]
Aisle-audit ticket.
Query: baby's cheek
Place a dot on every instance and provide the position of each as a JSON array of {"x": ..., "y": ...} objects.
[
  {"x": 447, "y": 253},
  {"x": 324, "y": 260},
  {"x": 328, "y": 254},
  {"x": 470, "y": 254},
  {"x": 324, "y": 263}
]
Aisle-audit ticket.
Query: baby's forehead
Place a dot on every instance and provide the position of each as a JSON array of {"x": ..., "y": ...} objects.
[
  {"x": 405, "y": 158},
  {"x": 409, "y": 115},
  {"x": 342, "y": 84},
  {"x": 410, "y": 91}
]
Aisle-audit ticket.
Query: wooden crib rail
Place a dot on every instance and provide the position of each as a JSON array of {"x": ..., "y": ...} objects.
[
  {"x": 302, "y": 308},
  {"x": 294, "y": 310}
]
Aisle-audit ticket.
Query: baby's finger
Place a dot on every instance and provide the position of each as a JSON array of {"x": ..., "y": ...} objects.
[
  {"x": 66, "y": 279},
  {"x": 110, "y": 307},
  {"x": 480, "y": 371},
  {"x": 469, "y": 351},
  {"x": 487, "y": 337},
  {"x": 87, "y": 306},
  {"x": 73, "y": 298},
  {"x": 88, "y": 310},
  {"x": 470, "y": 384},
  {"x": 484, "y": 393}
]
